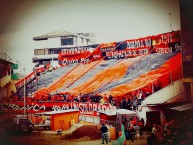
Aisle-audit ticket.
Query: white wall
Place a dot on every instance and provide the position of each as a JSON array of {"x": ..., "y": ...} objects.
[
  {"x": 50, "y": 43},
  {"x": 56, "y": 42},
  {"x": 145, "y": 109}
]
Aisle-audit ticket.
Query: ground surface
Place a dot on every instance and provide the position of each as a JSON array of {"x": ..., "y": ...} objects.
[
  {"x": 51, "y": 138},
  {"x": 80, "y": 134}
]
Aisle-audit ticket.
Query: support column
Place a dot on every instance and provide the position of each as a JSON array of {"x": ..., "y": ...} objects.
[{"x": 191, "y": 90}]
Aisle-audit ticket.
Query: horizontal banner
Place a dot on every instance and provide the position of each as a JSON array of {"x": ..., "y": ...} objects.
[
  {"x": 84, "y": 108},
  {"x": 74, "y": 51}
]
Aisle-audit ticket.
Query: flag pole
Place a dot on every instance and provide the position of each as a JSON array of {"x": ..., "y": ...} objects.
[{"x": 24, "y": 96}]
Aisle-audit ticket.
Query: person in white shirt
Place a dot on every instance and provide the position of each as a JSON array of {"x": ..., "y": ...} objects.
[{"x": 108, "y": 132}]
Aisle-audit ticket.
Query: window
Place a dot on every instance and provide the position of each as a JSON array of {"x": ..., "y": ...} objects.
[
  {"x": 39, "y": 51},
  {"x": 67, "y": 41}
]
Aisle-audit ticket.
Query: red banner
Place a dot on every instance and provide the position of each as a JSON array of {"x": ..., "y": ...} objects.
[
  {"x": 166, "y": 38},
  {"x": 127, "y": 53},
  {"x": 74, "y": 51},
  {"x": 40, "y": 70},
  {"x": 28, "y": 78},
  {"x": 163, "y": 48},
  {"x": 139, "y": 43},
  {"x": 34, "y": 107},
  {"x": 106, "y": 47}
]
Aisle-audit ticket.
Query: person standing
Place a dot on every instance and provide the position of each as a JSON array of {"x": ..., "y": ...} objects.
[
  {"x": 108, "y": 132},
  {"x": 132, "y": 133},
  {"x": 154, "y": 133},
  {"x": 104, "y": 130}
]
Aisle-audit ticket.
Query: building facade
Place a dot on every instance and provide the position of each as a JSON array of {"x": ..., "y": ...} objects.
[
  {"x": 8, "y": 76},
  {"x": 49, "y": 45}
]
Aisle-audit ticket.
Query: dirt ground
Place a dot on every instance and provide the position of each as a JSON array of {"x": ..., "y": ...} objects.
[
  {"x": 79, "y": 134},
  {"x": 52, "y": 138}
]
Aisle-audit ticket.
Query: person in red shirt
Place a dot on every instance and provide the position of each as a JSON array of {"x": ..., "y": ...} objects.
[
  {"x": 147, "y": 90},
  {"x": 105, "y": 98}
]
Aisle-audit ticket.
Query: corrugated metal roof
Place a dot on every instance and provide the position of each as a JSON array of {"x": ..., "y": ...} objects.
[{"x": 183, "y": 107}]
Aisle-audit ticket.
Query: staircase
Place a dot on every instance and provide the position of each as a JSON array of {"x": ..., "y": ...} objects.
[
  {"x": 165, "y": 94},
  {"x": 5, "y": 80}
]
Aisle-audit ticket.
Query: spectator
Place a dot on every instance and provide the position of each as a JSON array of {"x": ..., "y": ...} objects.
[
  {"x": 142, "y": 127},
  {"x": 108, "y": 132},
  {"x": 124, "y": 104},
  {"x": 151, "y": 140},
  {"x": 104, "y": 130},
  {"x": 154, "y": 132},
  {"x": 110, "y": 99},
  {"x": 135, "y": 104},
  {"x": 157, "y": 85},
  {"x": 148, "y": 127},
  {"x": 129, "y": 104},
  {"x": 105, "y": 98},
  {"x": 132, "y": 133},
  {"x": 102, "y": 101}
]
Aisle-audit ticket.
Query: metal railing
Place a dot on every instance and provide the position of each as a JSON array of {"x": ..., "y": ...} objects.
[{"x": 4, "y": 56}]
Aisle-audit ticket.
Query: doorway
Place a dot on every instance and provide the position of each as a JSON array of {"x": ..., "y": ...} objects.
[{"x": 153, "y": 117}]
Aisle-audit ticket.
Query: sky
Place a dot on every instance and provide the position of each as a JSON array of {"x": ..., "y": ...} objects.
[{"x": 109, "y": 20}]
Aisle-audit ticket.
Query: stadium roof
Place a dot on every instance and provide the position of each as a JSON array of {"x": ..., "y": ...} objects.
[{"x": 58, "y": 34}]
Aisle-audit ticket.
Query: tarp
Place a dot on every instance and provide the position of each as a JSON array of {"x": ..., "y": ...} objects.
[{"x": 183, "y": 107}]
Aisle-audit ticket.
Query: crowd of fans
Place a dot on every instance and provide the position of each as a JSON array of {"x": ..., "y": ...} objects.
[
  {"x": 129, "y": 101},
  {"x": 133, "y": 128},
  {"x": 176, "y": 131}
]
